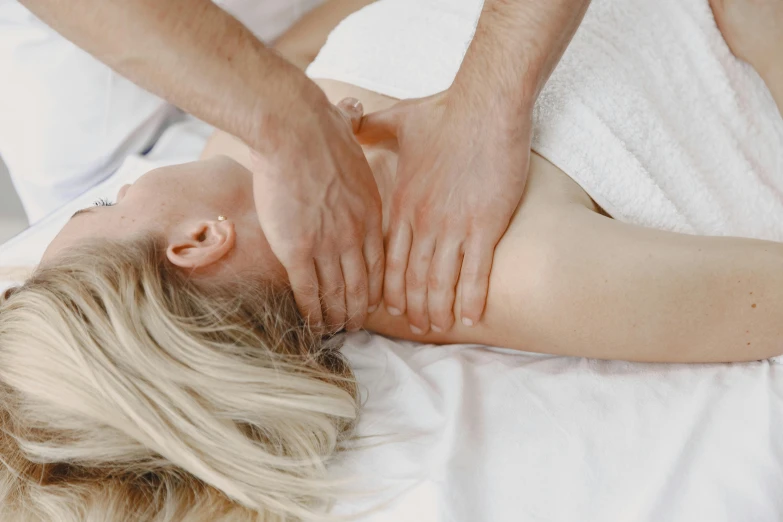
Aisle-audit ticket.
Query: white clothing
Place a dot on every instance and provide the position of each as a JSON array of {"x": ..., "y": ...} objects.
[{"x": 67, "y": 121}]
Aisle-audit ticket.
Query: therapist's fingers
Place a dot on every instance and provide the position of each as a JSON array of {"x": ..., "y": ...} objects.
[
  {"x": 397, "y": 253},
  {"x": 304, "y": 283},
  {"x": 353, "y": 110},
  {"x": 474, "y": 277},
  {"x": 442, "y": 284},
  {"x": 330, "y": 275},
  {"x": 416, "y": 283},
  {"x": 355, "y": 274},
  {"x": 374, "y": 259}
]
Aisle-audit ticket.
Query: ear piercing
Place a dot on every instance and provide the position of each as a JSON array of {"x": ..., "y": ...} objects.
[{"x": 222, "y": 218}]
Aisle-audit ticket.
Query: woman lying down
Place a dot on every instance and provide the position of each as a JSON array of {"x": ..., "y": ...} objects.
[{"x": 155, "y": 367}]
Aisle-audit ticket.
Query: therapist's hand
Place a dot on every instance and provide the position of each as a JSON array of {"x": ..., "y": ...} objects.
[
  {"x": 462, "y": 169},
  {"x": 320, "y": 209}
]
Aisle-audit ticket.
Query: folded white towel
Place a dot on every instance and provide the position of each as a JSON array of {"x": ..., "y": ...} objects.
[
  {"x": 648, "y": 110},
  {"x": 651, "y": 113}
]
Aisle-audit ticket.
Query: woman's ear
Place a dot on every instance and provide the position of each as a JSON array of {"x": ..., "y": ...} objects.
[{"x": 203, "y": 244}]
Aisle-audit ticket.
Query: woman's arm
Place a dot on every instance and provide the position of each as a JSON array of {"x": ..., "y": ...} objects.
[{"x": 569, "y": 281}]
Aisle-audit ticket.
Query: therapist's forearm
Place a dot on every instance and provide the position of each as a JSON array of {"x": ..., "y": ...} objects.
[
  {"x": 189, "y": 52},
  {"x": 517, "y": 45}
]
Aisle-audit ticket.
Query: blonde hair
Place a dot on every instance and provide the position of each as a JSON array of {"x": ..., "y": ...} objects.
[{"x": 131, "y": 391}]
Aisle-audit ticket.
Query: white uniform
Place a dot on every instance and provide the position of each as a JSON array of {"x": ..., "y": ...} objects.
[{"x": 67, "y": 121}]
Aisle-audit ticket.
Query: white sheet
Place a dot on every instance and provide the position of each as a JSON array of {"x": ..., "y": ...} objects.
[{"x": 499, "y": 436}]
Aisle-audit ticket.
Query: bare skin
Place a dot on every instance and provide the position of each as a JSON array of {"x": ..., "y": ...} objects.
[
  {"x": 752, "y": 28},
  {"x": 566, "y": 279}
]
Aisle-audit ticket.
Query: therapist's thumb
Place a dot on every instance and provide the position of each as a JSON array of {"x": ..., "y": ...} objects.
[
  {"x": 352, "y": 110},
  {"x": 379, "y": 126}
]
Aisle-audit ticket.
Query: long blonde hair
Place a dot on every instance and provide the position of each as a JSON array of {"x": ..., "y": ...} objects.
[{"x": 131, "y": 391}]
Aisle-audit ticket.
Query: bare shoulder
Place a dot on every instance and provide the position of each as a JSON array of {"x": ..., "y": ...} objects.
[{"x": 545, "y": 218}]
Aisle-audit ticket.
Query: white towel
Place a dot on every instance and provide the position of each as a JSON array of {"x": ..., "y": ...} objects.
[
  {"x": 648, "y": 110},
  {"x": 661, "y": 125}
]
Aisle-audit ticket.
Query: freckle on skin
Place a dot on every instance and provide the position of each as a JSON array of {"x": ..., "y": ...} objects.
[{"x": 753, "y": 305}]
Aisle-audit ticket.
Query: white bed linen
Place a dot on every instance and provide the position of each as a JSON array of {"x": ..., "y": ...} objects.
[
  {"x": 499, "y": 436},
  {"x": 180, "y": 143}
]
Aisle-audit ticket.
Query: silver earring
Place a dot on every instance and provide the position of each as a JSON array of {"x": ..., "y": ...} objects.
[{"x": 222, "y": 218}]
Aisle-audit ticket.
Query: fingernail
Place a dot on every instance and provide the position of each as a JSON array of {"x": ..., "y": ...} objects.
[
  {"x": 467, "y": 322},
  {"x": 353, "y": 102},
  {"x": 436, "y": 329},
  {"x": 416, "y": 330},
  {"x": 393, "y": 311},
  {"x": 372, "y": 309}
]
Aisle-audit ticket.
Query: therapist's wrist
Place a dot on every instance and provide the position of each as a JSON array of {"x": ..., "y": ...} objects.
[
  {"x": 502, "y": 94},
  {"x": 492, "y": 77},
  {"x": 289, "y": 105}
]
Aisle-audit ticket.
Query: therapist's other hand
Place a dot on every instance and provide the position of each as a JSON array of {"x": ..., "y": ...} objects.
[
  {"x": 320, "y": 210},
  {"x": 462, "y": 169}
]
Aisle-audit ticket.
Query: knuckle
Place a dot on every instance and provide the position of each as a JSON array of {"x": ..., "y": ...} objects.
[
  {"x": 357, "y": 290},
  {"x": 471, "y": 277},
  {"x": 422, "y": 217},
  {"x": 375, "y": 265},
  {"x": 414, "y": 281},
  {"x": 301, "y": 248},
  {"x": 437, "y": 282},
  {"x": 400, "y": 199},
  {"x": 334, "y": 291},
  {"x": 395, "y": 264},
  {"x": 305, "y": 294},
  {"x": 335, "y": 315}
]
